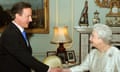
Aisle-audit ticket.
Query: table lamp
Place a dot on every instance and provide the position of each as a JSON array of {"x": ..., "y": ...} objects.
[{"x": 61, "y": 37}]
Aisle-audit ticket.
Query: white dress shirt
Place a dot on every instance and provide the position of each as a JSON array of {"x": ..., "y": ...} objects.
[
  {"x": 18, "y": 26},
  {"x": 96, "y": 61}
]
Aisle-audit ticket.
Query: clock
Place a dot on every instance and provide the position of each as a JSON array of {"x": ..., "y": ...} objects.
[
  {"x": 114, "y": 9},
  {"x": 113, "y": 17}
]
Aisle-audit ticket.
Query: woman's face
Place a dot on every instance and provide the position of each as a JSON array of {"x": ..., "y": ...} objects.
[{"x": 95, "y": 40}]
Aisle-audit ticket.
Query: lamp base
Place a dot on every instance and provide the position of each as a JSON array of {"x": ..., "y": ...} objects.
[{"x": 61, "y": 52}]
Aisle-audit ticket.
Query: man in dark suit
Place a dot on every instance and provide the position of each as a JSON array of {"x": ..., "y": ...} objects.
[{"x": 15, "y": 51}]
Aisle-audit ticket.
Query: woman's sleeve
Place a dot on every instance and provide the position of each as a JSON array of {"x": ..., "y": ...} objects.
[
  {"x": 86, "y": 63},
  {"x": 118, "y": 62}
]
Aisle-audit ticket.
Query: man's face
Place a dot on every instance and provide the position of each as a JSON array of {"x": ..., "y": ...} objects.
[
  {"x": 25, "y": 18},
  {"x": 94, "y": 39}
]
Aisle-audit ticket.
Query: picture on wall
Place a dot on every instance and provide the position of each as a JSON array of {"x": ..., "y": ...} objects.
[{"x": 40, "y": 17}]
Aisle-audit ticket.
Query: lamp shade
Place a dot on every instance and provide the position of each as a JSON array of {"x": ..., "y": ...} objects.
[{"x": 61, "y": 35}]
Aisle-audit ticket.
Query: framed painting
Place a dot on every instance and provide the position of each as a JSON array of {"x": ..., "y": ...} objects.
[{"x": 40, "y": 16}]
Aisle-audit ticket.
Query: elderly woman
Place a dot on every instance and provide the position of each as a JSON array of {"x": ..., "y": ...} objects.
[{"x": 105, "y": 57}]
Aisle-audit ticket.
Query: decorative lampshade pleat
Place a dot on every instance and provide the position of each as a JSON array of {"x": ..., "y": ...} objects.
[{"x": 61, "y": 35}]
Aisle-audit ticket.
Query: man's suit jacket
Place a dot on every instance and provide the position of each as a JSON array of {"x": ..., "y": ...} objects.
[{"x": 15, "y": 55}]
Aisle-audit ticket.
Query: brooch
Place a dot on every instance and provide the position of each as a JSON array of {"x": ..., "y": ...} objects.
[{"x": 110, "y": 55}]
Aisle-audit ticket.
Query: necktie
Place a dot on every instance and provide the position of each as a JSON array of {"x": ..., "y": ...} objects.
[{"x": 24, "y": 35}]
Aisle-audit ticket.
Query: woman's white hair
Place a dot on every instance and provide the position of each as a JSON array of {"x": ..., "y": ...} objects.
[{"x": 104, "y": 32}]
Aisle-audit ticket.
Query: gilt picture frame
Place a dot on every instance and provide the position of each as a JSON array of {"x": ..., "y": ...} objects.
[{"x": 40, "y": 16}]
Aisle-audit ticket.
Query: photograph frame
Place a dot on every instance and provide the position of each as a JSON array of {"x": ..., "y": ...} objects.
[
  {"x": 51, "y": 53},
  {"x": 40, "y": 16},
  {"x": 71, "y": 56}
]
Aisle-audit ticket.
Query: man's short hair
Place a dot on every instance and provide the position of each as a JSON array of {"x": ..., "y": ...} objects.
[{"x": 18, "y": 7}]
